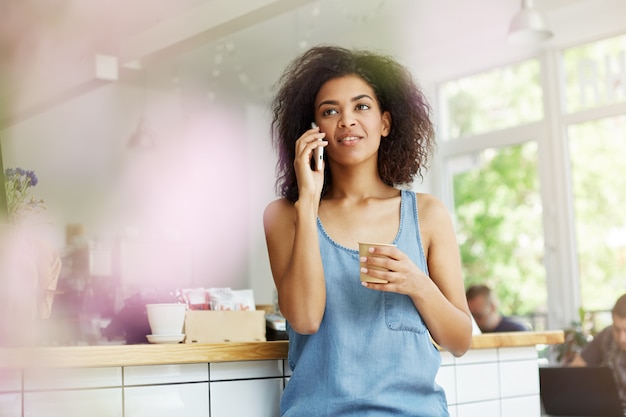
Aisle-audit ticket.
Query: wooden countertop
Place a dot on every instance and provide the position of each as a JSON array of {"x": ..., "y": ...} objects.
[
  {"x": 496, "y": 340},
  {"x": 163, "y": 354}
]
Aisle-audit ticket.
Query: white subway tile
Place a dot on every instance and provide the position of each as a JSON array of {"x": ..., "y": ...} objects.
[
  {"x": 62, "y": 378},
  {"x": 479, "y": 409},
  {"x": 447, "y": 359},
  {"x": 163, "y": 374},
  {"x": 478, "y": 356},
  {"x": 479, "y": 382},
  {"x": 518, "y": 378},
  {"x": 257, "y": 397},
  {"x": 106, "y": 402},
  {"x": 11, "y": 405},
  {"x": 529, "y": 406},
  {"x": 446, "y": 378},
  {"x": 189, "y": 400},
  {"x": 10, "y": 380},
  {"x": 517, "y": 353},
  {"x": 245, "y": 370}
]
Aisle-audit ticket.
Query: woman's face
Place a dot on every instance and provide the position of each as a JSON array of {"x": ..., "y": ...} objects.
[{"x": 347, "y": 110}]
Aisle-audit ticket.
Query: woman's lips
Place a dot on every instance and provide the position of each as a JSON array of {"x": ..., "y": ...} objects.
[{"x": 348, "y": 139}]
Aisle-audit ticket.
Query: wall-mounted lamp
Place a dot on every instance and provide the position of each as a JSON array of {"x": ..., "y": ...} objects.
[
  {"x": 142, "y": 137},
  {"x": 529, "y": 26}
]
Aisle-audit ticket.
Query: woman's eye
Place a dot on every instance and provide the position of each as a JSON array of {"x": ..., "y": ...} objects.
[
  {"x": 362, "y": 107},
  {"x": 329, "y": 112}
]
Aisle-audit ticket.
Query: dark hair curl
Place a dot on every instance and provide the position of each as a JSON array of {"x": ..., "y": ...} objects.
[{"x": 401, "y": 156}]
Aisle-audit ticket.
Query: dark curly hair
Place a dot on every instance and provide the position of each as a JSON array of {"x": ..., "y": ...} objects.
[{"x": 405, "y": 152}]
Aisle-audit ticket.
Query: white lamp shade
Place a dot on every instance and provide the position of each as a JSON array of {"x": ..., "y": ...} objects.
[{"x": 529, "y": 27}]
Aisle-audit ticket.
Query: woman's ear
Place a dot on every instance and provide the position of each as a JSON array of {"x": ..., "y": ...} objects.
[{"x": 386, "y": 125}]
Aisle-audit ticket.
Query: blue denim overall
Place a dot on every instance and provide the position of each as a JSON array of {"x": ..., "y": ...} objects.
[{"x": 372, "y": 355}]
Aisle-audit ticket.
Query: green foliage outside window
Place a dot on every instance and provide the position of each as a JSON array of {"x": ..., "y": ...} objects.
[
  {"x": 597, "y": 152},
  {"x": 498, "y": 213}
]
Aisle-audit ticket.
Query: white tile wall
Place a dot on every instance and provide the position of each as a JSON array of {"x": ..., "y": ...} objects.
[
  {"x": 478, "y": 356},
  {"x": 521, "y": 406},
  {"x": 67, "y": 378},
  {"x": 285, "y": 364},
  {"x": 519, "y": 378},
  {"x": 106, "y": 402},
  {"x": 11, "y": 405},
  {"x": 246, "y": 398},
  {"x": 517, "y": 353},
  {"x": 483, "y": 383},
  {"x": 164, "y": 374},
  {"x": 447, "y": 380},
  {"x": 174, "y": 400},
  {"x": 245, "y": 370},
  {"x": 10, "y": 380},
  {"x": 500, "y": 382},
  {"x": 479, "y": 409},
  {"x": 477, "y": 382},
  {"x": 447, "y": 358}
]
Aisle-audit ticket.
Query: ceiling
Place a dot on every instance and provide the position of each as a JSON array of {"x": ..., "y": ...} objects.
[{"x": 48, "y": 46}]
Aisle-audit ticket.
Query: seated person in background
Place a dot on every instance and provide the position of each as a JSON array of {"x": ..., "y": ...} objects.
[
  {"x": 608, "y": 348},
  {"x": 484, "y": 308}
]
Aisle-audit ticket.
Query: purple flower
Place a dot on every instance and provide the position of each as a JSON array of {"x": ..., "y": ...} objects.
[
  {"x": 32, "y": 177},
  {"x": 17, "y": 182}
]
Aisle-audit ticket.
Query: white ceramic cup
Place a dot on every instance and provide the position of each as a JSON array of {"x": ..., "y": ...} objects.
[
  {"x": 166, "y": 318},
  {"x": 364, "y": 251}
]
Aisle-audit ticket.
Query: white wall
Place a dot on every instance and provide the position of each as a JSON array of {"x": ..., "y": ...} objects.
[{"x": 187, "y": 210}]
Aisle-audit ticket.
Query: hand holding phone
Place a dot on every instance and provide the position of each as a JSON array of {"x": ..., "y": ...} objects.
[{"x": 318, "y": 153}]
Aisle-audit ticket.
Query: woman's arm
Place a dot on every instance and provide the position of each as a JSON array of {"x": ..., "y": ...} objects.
[
  {"x": 293, "y": 246},
  {"x": 442, "y": 300},
  {"x": 292, "y": 243}
]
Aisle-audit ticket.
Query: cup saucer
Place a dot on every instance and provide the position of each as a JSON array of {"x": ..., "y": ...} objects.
[{"x": 165, "y": 338}]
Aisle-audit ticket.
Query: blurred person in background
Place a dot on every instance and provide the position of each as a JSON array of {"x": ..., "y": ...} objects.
[
  {"x": 484, "y": 307},
  {"x": 608, "y": 348}
]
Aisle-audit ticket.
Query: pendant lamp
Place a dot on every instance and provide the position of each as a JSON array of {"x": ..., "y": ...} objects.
[{"x": 529, "y": 26}]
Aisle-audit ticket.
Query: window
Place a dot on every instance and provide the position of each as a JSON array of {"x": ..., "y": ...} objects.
[
  {"x": 595, "y": 74},
  {"x": 598, "y": 151},
  {"x": 494, "y": 182},
  {"x": 498, "y": 211},
  {"x": 498, "y": 152},
  {"x": 493, "y": 100}
]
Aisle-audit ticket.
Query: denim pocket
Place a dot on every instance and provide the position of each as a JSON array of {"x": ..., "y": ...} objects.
[{"x": 401, "y": 314}]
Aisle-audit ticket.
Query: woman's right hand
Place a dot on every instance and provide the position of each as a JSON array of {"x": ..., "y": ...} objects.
[{"x": 310, "y": 181}]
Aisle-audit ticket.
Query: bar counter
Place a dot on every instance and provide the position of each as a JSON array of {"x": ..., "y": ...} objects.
[
  {"x": 164, "y": 354},
  {"x": 497, "y": 377}
]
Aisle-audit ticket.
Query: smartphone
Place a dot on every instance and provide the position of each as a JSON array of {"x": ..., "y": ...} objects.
[{"x": 318, "y": 153}]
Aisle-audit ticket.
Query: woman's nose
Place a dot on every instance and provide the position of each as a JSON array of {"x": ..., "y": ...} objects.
[{"x": 346, "y": 120}]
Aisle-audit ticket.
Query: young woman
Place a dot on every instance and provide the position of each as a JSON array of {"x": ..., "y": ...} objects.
[{"x": 361, "y": 349}]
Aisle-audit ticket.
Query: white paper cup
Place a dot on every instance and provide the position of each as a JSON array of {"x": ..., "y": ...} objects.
[
  {"x": 166, "y": 318},
  {"x": 364, "y": 251}
]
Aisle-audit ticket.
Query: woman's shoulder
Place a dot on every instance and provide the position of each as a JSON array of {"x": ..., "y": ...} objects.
[
  {"x": 280, "y": 205},
  {"x": 429, "y": 204},
  {"x": 278, "y": 209},
  {"x": 433, "y": 213}
]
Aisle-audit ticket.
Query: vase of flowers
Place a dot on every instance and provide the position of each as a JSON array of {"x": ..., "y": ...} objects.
[
  {"x": 29, "y": 266},
  {"x": 18, "y": 183}
]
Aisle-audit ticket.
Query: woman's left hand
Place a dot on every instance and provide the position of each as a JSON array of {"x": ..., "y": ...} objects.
[{"x": 401, "y": 274}]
